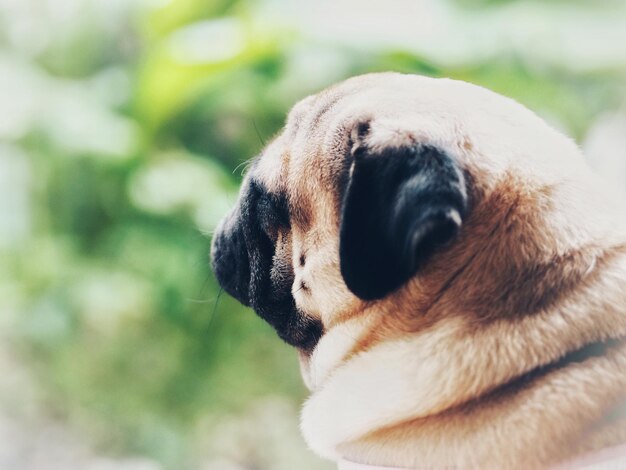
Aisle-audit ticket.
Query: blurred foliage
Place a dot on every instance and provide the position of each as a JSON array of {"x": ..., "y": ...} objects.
[{"x": 129, "y": 125}]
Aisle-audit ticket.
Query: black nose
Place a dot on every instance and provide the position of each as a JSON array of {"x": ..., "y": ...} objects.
[{"x": 229, "y": 258}]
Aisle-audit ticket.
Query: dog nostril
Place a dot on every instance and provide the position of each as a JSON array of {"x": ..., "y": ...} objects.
[{"x": 302, "y": 260}]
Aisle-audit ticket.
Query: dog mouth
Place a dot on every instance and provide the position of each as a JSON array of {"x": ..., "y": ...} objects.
[{"x": 243, "y": 256}]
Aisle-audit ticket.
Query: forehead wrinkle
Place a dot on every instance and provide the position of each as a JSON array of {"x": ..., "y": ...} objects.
[
  {"x": 317, "y": 170},
  {"x": 297, "y": 115},
  {"x": 285, "y": 160},
  {"x": 300, "y": 211},
  {"x": 272, "y": 166},
  {"x": 294, "y": 183},
  {"x": 324, "y": 108}
]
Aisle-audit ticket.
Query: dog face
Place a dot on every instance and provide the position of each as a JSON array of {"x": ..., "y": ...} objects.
[{"x": 359, "y": 200}]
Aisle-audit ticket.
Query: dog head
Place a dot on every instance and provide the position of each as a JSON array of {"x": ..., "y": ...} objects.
[
  {"x": 360, "y": 199},
  {"x": 424, "y": 243}
]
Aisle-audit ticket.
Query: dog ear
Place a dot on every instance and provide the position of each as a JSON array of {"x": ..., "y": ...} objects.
[{"x": 399, "y": 205}]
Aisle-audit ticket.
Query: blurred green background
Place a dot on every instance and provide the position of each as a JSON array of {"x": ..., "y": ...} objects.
[{"x": 124, "y": 125}]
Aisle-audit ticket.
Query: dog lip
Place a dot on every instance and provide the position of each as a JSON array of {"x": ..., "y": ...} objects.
[
  {"x": 301, "y": 331},
  {"x": 230, "y": 261}
]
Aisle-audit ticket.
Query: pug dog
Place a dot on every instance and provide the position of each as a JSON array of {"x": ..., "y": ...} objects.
[{"x": 450, "y": 271}]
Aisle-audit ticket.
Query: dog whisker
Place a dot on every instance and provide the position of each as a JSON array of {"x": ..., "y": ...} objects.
[{"x": 214, "y": 312}]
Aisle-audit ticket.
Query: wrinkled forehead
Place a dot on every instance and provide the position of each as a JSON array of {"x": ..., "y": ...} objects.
[
  {"x": 312, "y": 151},
  {"x": 486, "y": 134},
  {"x": 308, "y": 174},
  {"x": 313, "y": 143}
]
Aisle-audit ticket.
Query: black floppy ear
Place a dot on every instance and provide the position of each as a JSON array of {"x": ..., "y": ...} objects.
[{"x": 399, "y": 205}]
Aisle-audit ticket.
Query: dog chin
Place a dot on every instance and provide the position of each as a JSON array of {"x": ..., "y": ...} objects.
[{"x": 304, "y": 358}]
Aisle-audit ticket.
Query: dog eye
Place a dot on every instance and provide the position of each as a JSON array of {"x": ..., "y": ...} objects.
[{"x": 273, "y": 213}]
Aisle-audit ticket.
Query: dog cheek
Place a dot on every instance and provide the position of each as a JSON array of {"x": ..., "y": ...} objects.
[
  {"x": 281, "y": 274},
  {"x": 328, "y": 292}
]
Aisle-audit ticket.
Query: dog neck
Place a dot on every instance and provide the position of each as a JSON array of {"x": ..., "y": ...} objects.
[
  {"x": 443, "y": 367},
  {"x": 347, "y": 465},
  {"x": 615, "y": 456},
  {"x": 611, "y": 457}
]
